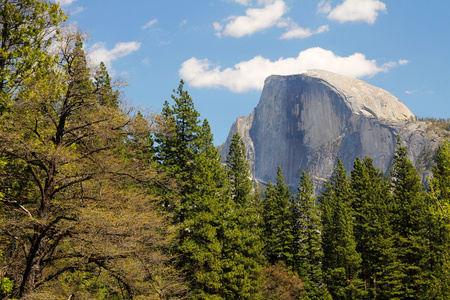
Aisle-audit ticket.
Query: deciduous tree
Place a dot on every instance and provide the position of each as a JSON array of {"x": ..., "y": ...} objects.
[
  {"x": 75, "y": 210},
  {"x": 27, "y": 29}
]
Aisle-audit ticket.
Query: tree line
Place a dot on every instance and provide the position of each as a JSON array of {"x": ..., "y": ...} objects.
[{"x": 100, "y": 201}]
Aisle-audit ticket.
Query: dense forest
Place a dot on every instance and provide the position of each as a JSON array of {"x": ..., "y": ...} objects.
[{"x": 101, "y": 201}]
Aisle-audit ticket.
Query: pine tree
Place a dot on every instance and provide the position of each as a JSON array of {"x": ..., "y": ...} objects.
[
  {"x": 242, "y": 246},
  {"x": 307, "y": 243},
  {"x": 108, "y": 96},
  {"x": 341, "y": 263},
  {"x": 439, "y": 203},
  {"x": 409, "y": 223},
  {"x": 203, "y": 229},
  {"x": 177, "y": 148},
  {"x": 277, "y": 228},
  {"x": 372, "y": 230},
  {"x": 187, "y": 153}
]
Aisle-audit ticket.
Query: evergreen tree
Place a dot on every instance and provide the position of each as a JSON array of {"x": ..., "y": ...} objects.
[
  {"x": 409, "y": 223},
  {"x": 108, "y": 96},
  {"x": 219, "y": 246},
  {"x": 177, "y": 148},
  {"x": 242, "y": 246},
  {"x": 186, "y": 152},
  {"x": 439, "y": 203},
  {"x": 372, "y": 230},
  {"x": 307, "y": 243},
  {"x": 277, "y": 228},
  {"x": 341, "y": 263},
  {"x": 203, "y": 228}
]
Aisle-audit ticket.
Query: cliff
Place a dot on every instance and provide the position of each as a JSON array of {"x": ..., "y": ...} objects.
[{"x": 308, "y": 121}]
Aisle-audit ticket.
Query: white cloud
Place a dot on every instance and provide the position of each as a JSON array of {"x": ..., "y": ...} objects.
[
  {"x": 411, "y": 92},
  {"x": 324, "y": 7},
  {"x": 243, "y": 2},
  {"x": 255, "y": 19},
  {"x": 150, "y": 23},
  {"x": 296, "y": 32},
  {"x": 393, "y": 64},
  {"x": 266, "y": 2},
  {"x": 98, "y": 53},
  {"x": 250, "y": 75},
  {"x": 390, "y": 65},
  {"x": 353, "y": 10},
  {"x": 65, "y": 2},
  {"x": 217, "y": 26}
]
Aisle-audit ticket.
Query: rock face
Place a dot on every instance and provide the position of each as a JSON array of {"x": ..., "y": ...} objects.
[{"x": 308, "y": 121}]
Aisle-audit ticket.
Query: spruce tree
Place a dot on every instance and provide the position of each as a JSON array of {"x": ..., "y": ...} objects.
[
  {"x": 277, "y": 228},
  {"x": 341, "y": 263},
  {"x": 409, "y": 223},
  {"x": 242, "y": 246}
]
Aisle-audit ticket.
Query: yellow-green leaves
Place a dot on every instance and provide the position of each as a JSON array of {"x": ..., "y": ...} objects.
[{"x": 27, "y": 29}]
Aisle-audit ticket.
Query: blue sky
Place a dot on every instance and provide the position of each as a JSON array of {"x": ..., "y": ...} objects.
[{"x": 224, "y": 49}]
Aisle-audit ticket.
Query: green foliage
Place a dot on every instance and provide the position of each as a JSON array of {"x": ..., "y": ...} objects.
[
  {"x": 217, "y": 250},
  {"x": 307, "y": 243},
  {"x": 71, "y": 205},
  {"x": 107, "y": 95},
  {"x": 372, "y": 230},
  {"x": 439, "y": 203},
  {"x": 6, "y": 285},
  {"x": 27, "y": 30},
  {"x": 409, "y": 223},
  {"x": 243, "y": 246},
  {"x": 277, "y": 228},
  {"x": 341, "y": 263},
  {"x": 177, "y": 148},
  {"x": 239, "y": 172}
]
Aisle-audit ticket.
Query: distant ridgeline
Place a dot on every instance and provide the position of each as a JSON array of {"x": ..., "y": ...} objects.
[
  {"x": 440, "y": 123},
  {"x": 308, "y": 121}
]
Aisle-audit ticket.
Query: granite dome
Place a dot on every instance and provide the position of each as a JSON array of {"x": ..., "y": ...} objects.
[{"x": 307, "y": 121}]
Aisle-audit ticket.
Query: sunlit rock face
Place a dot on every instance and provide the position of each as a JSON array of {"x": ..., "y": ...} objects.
[{"x": 308, "y": 121}]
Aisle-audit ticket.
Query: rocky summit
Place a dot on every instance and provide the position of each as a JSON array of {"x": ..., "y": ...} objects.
[{"x": 307, "y": 121}]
